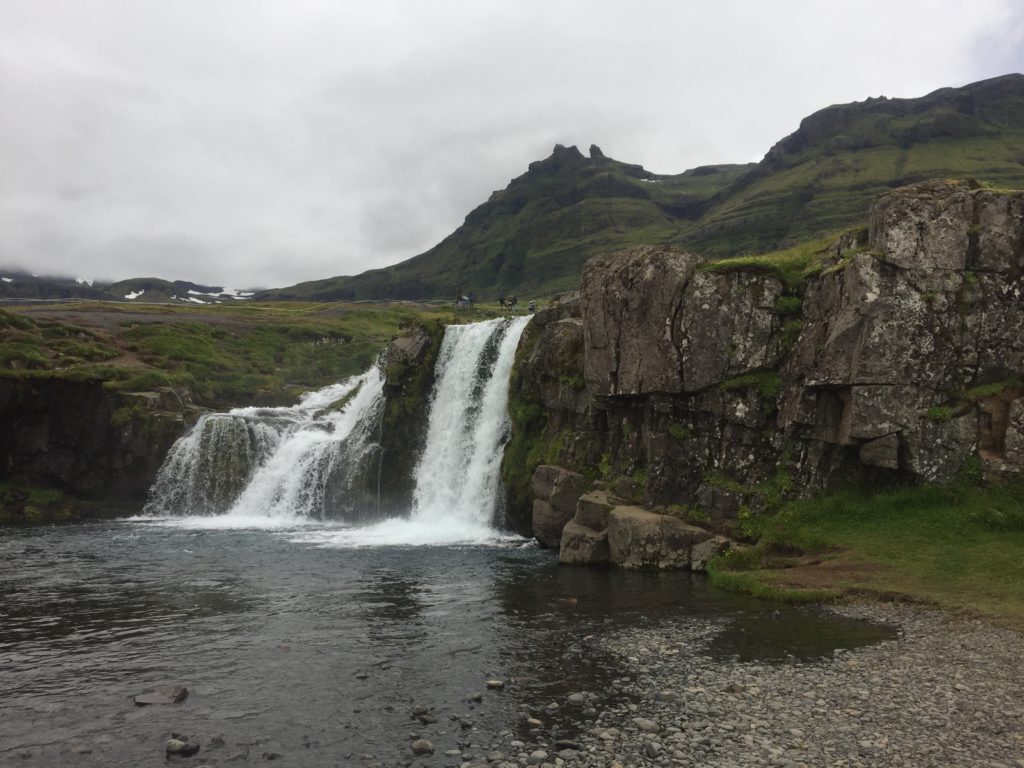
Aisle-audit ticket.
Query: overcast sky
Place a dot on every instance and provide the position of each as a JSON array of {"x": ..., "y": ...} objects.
[{"x": 264, "y": 142}]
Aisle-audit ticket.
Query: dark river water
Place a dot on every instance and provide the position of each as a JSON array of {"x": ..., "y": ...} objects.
[{"x": 318, "y": 655}]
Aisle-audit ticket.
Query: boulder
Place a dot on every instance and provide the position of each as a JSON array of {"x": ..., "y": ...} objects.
[
  {"x": 592, "y": 510},
  {"x": 557, "y": 490},
  {"x": 634, "y": 537},
  {"x": 161, "y": 694},
  {"x": 678, "y": 540},
  {"x": 583, "y": 545},
  {"x": 568, "y": 487},
  {"x": 628, "y": 488},
  {"x": 181, "y": 748},
  {"x": 548, "y": 523},
  {"x": 638, "y": 538},
  {"x": 543, "y": 480},
  {"x": 704, "y": 552}
]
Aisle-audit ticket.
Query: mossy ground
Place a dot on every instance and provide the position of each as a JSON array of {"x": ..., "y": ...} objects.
[
  {"x": 958, "y": 547},
  {"x": 27, "y": 504},
  {"x": 226, "y": 355}
]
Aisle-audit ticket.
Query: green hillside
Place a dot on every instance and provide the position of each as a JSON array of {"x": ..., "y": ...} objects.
[
  {"x": 533, "y": 237},
  {"x": 823, "y": 177}
]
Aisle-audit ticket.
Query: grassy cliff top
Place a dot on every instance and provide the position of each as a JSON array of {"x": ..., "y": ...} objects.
[{"x": 226, "y": 355}]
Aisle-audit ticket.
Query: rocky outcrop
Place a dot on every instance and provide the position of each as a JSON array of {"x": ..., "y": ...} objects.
[
  {"x": 581, "y": 545},
  {"x": 639, "y": 538},
  {"x": 388, "y": 477},
  {"x": 905, "y": 345},
  {"x": 653, "y": 323},
  {"x": 721, "y": 388},
  {"x": 556, "y": 492},
  {"x": 85, "y": 440}
]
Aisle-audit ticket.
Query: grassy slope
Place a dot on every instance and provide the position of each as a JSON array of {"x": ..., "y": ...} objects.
[
  {"x": 227, "y": 355},
  {"x": 958, "y": 547},
  {"x": 823, "y": 193}
]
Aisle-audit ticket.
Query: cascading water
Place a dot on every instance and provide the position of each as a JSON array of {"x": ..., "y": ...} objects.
[
  {"x": 457, "y": 480},
  {"x": 272, "y": 467},
  {"x": 269, "y": 466}
]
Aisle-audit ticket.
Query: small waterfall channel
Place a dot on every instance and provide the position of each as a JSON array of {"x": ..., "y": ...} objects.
[{"x": 318, "y": 463}]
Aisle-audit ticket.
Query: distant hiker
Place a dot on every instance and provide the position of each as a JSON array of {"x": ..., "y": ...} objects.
[{"x": 533, "y": 306}]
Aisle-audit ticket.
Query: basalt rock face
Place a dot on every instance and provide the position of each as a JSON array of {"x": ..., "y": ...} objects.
[
  {"x": 87, "y": 441},
  {"x": 388, "y": 479},
  {"x": 722, "y": 389},
  {"x": 912, "y": 354}
]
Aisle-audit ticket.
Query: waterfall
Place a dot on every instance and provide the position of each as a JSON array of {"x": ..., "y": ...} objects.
[
  {"x": 282, "y": 467},
  {"x": 457, "y": 480},
  {"x": 271, "y": 465}
]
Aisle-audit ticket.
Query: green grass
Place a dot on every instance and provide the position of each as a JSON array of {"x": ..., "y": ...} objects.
[
  {"x": 767, "y": 383},
  {"x": 960, "y": 547},
  {"x": 793, "y": 267},
  {"x": 226, "y": 355}
]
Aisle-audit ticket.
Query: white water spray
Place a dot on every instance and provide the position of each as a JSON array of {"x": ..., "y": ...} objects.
[
  {"x": 259, "y": 467},
  {"x": 284, "y": 461},
  {"x": 457, "y": 480}
]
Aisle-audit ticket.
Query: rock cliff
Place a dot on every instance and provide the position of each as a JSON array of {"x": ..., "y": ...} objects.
[
  {"x": 718, "y": 389},
  {"x": 98, "y": 446}
]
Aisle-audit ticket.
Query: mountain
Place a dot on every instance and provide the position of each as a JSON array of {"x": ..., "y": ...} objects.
[
  {"x": 532, "y": 237},
  {"x": 16, "y": 285},
  {"x": 823, "y": 176}
]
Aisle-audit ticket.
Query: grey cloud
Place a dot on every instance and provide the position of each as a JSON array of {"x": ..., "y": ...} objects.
[{"x": 263, "y": 143}]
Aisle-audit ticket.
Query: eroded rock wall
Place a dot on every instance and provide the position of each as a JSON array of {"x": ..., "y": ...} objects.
[
  {"x": 723, "y": 388},
  {"x": 85, "y": 440}
]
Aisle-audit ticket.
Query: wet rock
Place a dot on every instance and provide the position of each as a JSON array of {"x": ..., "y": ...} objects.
[
  {"x": 495, "y": 685},
  {"x": 537, "y": 757},
  {"x": 646, "y": 725},
  {"x": 161, "y": 694},
  {"x": 556, "y": 491},
  {"x": 422, "y": 747},
  {"x": 180, "y": 748},
  {"x": 582, "y": 545},
  {"x": 548, "y": 523}
]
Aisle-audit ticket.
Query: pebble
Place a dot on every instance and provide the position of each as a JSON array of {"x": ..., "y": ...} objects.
[
  {"x": 422, "y": 747},
  {"x": 180, "y": 748},
  {"x": 945, "y": 692}
]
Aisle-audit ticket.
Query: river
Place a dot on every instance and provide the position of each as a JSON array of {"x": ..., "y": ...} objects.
[{"x": 295, "y": 643}]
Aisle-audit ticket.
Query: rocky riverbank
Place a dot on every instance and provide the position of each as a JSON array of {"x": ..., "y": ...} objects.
[{"x": 945, "y": 692}]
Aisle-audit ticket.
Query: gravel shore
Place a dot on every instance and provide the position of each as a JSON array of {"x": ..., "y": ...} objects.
[{"x": 946, "y": 692}]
